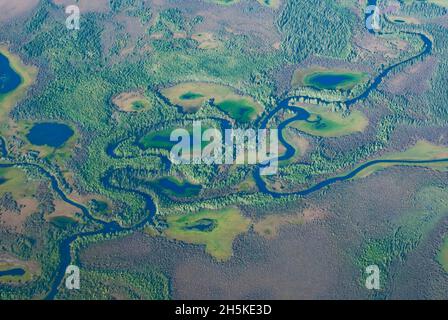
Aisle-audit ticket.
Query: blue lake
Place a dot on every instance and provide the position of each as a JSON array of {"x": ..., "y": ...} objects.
[
  {"x": 331, "y": 80},
  {"x": 9, "y": 79},
  {"x": 176, "y": 188},
  {"x": 49, "y": 134},
  {"x": 12, "y": 272}
]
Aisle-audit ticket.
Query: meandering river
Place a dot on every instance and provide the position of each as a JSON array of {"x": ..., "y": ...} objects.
[{"x": 113, "y": 228}]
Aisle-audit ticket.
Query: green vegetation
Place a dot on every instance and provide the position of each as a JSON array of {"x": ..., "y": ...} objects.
[
  {"x": 176, "y": 188},
  {"x": 408, "y": 233},
  {"x": 100, "y": 207},
  {"x": 158, "y": 140},
  {"x": 27, "y": 74},
  {"x": 443, "y": 3},
  {"x": 139, "y": 105},
  {"x": 443, "y": 255},
  {"x": 297, "y": 141},
  {"x": 161, "y": 139},
  {"x": 192, "y": 96},
  {"x": 325, "y": 123},
  {"x": 105, "y": 81},
  {"x": 224, "y": 2},
  {"x": 218, "y": 239},
  {"x": 305, "y": 29},
  {"x": 62, "y": 222},
  {"x": 14, "y": 180},
  {"x": 240, "y": 110},
  {"x": 269, "y": 3},
  {"x": 58, "y": 154},
  {"x": 423, "y": 150},
  {"x": 132, "y": 102},
  {"x": 426, "y": 8},
  {"x": 23, "y": 273},
  {"x": 115, "y": 285}
]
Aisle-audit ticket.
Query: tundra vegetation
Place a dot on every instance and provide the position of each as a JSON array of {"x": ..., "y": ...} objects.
[{"x": 135, "y": 71}]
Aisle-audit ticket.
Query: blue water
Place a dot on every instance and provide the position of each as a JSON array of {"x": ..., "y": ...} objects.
[
  {"x": 49, "y": 134},
  {"x": 427, "y": 44},
  {"x": 150, "y": 208},
  {"x": 203, "y": 225},
  {"x": 3, "y": 147},
  {"x": 328, "y": 81},
  {"x": 184, "y": 189},
  {"x": 65, "y": 257},
  {"x": 263, "y": 188},
  {"x": 304, "y": 115},
  {"x": 9, "y": 79},
  {"x": 12, "y": 272},
  {"x": 370, "y": 3}
]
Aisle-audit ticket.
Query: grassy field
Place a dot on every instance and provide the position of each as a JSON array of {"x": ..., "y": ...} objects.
[
  {"x": 161, "y": 139},
  {"x": 28, "y": 75},
  {"x": 442, "y": 3},
  {"x": 30, "y": 269},
  {"x": 238, "y": 109},
  {"x": 216, "y": 229},
  {"x": 341, "y": 79},
  {"x": 24, "y": 202},
  {"x": 326, "y": 123},
  {"x": 443, "y": 255},
  {"x": 14, "y": 279},
  {"x": 423, "y": 150},
  {"x": 58, "y": 155},
  {"x": 14, "y": 180},
  {"x": 191, "y": 96},
  {"x": 407, "y": 20},
  {"x": 206, "y": 40},
  {"x": 158, "y": 140}
]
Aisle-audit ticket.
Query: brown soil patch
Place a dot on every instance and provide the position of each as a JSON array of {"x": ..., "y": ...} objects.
[
  {"x": 85, "y": 5},
  {"x": 206, "y": 40},
  {"x": 15, "y": 220},
  {"x": 413, "y": 79},
  {"x": 269, "y": 226},
  {"x": 11, "y": 9},
  {"x": 63, "y": 209}
]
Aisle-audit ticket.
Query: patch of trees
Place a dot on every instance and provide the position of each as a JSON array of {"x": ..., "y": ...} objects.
[
  {"x": 422, "y": 9},
  {"x": 320, "y": 27}
]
